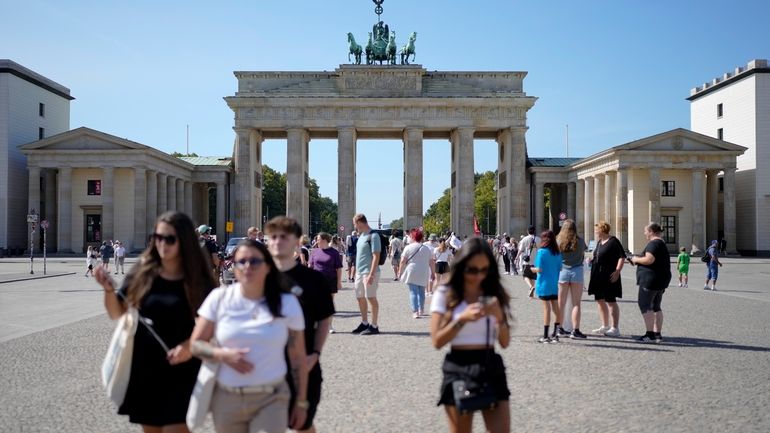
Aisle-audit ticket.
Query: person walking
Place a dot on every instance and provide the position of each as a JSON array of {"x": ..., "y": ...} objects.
[
  {"x": 472, "y": 313},
  {"x": 394, "y": 252},
  {"x": 318, "y": 283},
  {"x": 683, "y": 266},
  {"x": 525, "y": 257},
  {"x": 513, "y": 251},
  {"x": 712, "y": 267},
  {"x": 120, "y": 257},
  {"x": 443, "y": 257},
  {"x": 547, "y": 267},
  {"x": 210, "y": 247},
  {"x": 605, "y": 285},
  {"x": 415, "y": 269},
  {"x": 351, "y": 242},
  {"x": 368, "y": 250},
  {"x": 105, "y": 252},
  {"x": 653, "y": 275},
  {"x": 337, "y": 244},
  {"x": 431, "y": 243},
  {"x": 327, "y": 260},
  {"x": 505, "y": 251},
  {"x": 90, "y": 261},
  {"x": 572, "y": 248},
  {"x": 167, "y": 285},
  {"x": 259, "y": 329}
]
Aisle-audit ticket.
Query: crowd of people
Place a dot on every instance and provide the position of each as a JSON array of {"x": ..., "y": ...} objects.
[{"x": 267, "y": 330}]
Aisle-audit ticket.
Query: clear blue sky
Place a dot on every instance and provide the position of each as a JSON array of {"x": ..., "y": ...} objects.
[{"x": 614, "y": 70}]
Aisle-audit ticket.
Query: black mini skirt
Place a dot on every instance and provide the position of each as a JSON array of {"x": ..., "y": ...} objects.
[{"x": 493, "y": 371}]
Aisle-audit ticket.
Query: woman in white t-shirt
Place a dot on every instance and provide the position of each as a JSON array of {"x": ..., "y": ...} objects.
[
  {"x": 442, "y": 255},
  {"x": 415, "y": 269},
  {"x": 253, "y": 321},
  {"x": 471, "y": 313}
]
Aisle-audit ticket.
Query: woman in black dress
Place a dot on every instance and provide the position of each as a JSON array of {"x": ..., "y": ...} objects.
[
  {"x": 653, "y": 274},
  {"x": 167, "y": 285},
  {"x": 605, "y": 285}
]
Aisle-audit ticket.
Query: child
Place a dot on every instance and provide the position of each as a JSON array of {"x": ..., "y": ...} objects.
[
  {"x": 90, "y": 260},
  {"x": 683, "y": 265}
]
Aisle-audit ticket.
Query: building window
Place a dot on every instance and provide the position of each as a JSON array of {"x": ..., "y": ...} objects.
[
  {"x": 719, "y": 111},
  {"x": 41, "y": 109},
  {"x": 668, "y": 188},
  {"x": 721, "y": 184},
  {"x": 720, "y": 134},
  {"x": 40, "y": 133},
  {"x": 94, "y": 187},
  {"x": 668, "y": 223},
  {"x": 93, "y": 228}
]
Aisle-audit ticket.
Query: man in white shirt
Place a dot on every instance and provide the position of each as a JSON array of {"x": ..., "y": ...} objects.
[
  {"x": 120, "y": 257},
  {"x": 526, "y": 258}
]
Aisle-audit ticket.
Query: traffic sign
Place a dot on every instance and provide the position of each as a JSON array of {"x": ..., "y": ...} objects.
[
  {"x": 229, "y": 227},
  {"x": 44, "y": 224},
  {"x": 563, "y": 216}
]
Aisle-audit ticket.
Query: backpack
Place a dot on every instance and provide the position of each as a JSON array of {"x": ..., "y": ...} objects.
[
  {"x": 706, "y": 256},
  {"x": 384, "y": 242},
  {"x": 352, "y": 246}
]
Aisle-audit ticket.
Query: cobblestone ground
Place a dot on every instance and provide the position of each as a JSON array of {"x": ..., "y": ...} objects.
[{"x": 712, "y": 374}]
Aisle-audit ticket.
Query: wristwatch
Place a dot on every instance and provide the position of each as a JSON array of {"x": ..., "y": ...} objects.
[{"x": 302, "y": 404}]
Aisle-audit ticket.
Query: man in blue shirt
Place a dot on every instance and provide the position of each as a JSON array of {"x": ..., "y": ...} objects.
[
  {"x": 712, "y": 266},
  {"x": 368, "y": 250}
]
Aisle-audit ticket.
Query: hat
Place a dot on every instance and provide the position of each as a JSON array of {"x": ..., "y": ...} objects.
[
  {"x": 714, "y": 242},
  {"x": 432, "y": 237},
  {"x": 203, "y": 228}
]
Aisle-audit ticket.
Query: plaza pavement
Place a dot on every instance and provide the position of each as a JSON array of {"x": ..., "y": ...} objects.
[{"x": 712, "y": 374}]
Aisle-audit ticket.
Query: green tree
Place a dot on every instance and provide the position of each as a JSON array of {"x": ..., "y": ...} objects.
[
  {"x": 323, "y": 210},
  {"x": 273, "y": 192},
  {"x": 397, "y": 223},
  {"x": 179, "y": 154},
  {"x": 437, "y": 218}
]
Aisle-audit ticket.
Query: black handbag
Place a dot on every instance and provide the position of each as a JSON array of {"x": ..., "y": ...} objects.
[{"x": 471, "y": 396}]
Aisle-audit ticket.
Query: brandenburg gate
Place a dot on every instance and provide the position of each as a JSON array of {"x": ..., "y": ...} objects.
[{"x": 383, "y": 101}]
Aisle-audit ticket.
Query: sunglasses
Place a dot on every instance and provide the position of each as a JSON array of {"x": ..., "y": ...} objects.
[
  {"x": 168, "y": 239},
  {"x": 472, "y": 270},
  {"x": 253, "y": 262}
]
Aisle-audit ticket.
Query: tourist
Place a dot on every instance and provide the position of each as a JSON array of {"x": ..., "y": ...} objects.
[
  {"x": 105, "y": 252},
  {"x": 394, "y": 252},
  {"x": 443, "y": 257},
  {"x": 605, "y": 285},
  {"x": 431, "y": 243},
  {"x": 302, "y": 254},
  {"x": 653, "y": 274},
  {"x": 315, "y": 297},
  {"x": 328, "y": 261},
  {"x": 496, "y": 247},
  {"x": 251, "y": 233},
  {"x": 505, "y": 252},
  {"x": 512, "y": 253},
  {"x": 470, "y": 314},
  {"x": 572, "y": 248},
  {"x": 167, "y": 285},
  {"x": 712, "y": 267},
  {"x": 337, "y": 244},
  {"x": 547, "y": 267},
  {"x": 525, "y": 256},
  {"x": 351, "y": 242},
  {"x": 683, "y": 266},
  {"x": 416, "y": 269},
  {"x": 90, "y": 260},
  {"x": 368, "y": 250},
  {"x": 209, "y": 246},
  {"x": 259, "y": 329},
  {"x": 120, "y": 257}
]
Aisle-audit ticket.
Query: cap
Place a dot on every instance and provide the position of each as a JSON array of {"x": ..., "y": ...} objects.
[{"x": 203, "y": 228}]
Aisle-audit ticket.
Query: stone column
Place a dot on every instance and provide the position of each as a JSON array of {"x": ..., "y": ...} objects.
[
  {"x": 698, "y": 210},
  {"x": 221, "y": 211},
  {"x": 108, "y": 203},
  {"x": 517, "y": 181},
  {"x": 64, "y": 228},
  {"x": 244, "y": 183},
  {"x": 539, "y": 199},
  {"x": 580, "y": 189},
  {"x": 34, "y": 203},
  {"x": 712, "y": 205},
  {"x": 346, "y": 179},
  {"x": 152, "y": 202},
  {"x": 179, "y": 195},
  {"x": 729, "y": 210},
  {"x": 255, "y": 144},
  {"x": 463, "y": 188},
  {"x": 297, "y": 204},
  {"x": 188, "y": 200},
  {"x": 654, "y": 201},
  {"x": 609, "y": 198},
  {"x": 599, "y": 198},
  {"x": 588, "y": 222},
  {"x": 50, "y": 208},
  {"x": 170, "y": 192},
  {"x": 571, "y": 200},
  {"x": 503, "y": 198},
  {"x": 412, "y": 178},
  {"x": 162, "y": 193},
  {"x": 140, "y": 209},
  {"x": 621, "y": 222}
]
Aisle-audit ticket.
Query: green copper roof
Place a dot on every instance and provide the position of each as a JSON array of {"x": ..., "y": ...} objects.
[
  {"x": 207, "y": 160},
  {"x": 552, "y": 162}
]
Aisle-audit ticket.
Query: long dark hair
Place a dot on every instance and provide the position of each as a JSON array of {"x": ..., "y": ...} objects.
[
  {"x": 548, "y": 241},
  {"x": 196, "y": 266},
  {"x": 276, "y": 283},
  {"x": 490, "y": 285}
]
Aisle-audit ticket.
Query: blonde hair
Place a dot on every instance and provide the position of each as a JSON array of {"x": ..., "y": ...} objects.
[
  {"x": 567, "y": 237},
  {"x": 603, "y": 227}
]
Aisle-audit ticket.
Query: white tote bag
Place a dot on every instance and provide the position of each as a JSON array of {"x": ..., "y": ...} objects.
[
  {"x": 116, "y": 367},
  {"x": 200, "y": 400}
]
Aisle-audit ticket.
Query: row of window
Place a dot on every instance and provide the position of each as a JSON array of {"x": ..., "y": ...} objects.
[{"x": 41, "y": 112}]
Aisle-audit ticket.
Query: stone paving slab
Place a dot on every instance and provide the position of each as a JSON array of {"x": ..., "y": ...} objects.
[{"x": 712, "y": 373}]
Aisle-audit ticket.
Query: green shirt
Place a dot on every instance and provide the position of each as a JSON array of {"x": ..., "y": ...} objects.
[
  {"x": 683, "y": 261},
  {"x": 367, "y": 245}
]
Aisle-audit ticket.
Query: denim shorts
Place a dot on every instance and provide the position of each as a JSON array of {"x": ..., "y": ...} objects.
[
  {"x": 712, "y": 271},
  {"x": 571, "y": 275}
]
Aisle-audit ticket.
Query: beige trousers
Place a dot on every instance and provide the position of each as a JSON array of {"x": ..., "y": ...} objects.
[{"x": 251, "y": 413}]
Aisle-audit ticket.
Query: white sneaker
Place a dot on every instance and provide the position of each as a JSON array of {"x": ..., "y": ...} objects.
[
  {"x": 601, "y": 330},
  {"x": 680, "y": 285},
  {"x": 613, "y": 332}
]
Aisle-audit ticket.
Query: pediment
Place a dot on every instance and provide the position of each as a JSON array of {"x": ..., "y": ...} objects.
[
  {"x": 680, "y": 140},
  {"x": 83, "y": 139}
]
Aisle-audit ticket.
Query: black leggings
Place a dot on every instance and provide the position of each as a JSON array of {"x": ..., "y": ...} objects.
[
  {"x": 649, "y": 300},
  {"x": 507, "y": 263}
]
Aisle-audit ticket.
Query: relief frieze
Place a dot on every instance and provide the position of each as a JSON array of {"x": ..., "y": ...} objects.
[{"x": 380, "y": 113}]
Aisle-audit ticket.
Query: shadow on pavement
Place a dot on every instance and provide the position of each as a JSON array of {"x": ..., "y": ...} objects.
[
  {"x": 715, "y": 344},
  {"x": 406, "y": 333},
  {"x": 641, "y": 346}
]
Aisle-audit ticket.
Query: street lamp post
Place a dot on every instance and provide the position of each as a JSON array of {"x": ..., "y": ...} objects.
[{"x": 32, "y": 221}]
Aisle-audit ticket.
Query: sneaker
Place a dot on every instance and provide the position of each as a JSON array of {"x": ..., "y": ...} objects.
[
  {"x": 613, "y": 332},
  {"x": 645, "y": 339},
  {"x": 601, "y": 330},
  {"x": 415, "y": 315},
  {"x": 575, "y": 334},
  {"x": 554, "y": 339},
  {"x": 332, "y": 331},
  {"x": 658, "y": 338},
  {"x": 361, "y": 328},
  {"x": 705, "y": 287},
  {"x": 371, "y": 330},
  {"x": 544, "y": 340},
  {"x": 713, "y": 289},
  {"x": 562, "y": 333},
  {"x": 679, "y": 285}
]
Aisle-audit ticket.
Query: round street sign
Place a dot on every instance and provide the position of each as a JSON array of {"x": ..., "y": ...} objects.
[
  {"x": 563, "y": 216},
  {"x": 44, "y": 224}
]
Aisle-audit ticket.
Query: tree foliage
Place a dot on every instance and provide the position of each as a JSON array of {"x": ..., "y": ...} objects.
[
  {"x": 397, "y": 223},
  {"x": 323, "y": 210},
  {"x": 179, "y": 154},
  {"x": 437, "y": 218}
]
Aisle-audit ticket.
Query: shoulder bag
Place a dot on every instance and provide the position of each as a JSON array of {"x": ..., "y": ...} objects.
[
  {"x": 410, "y": 259},
  {"x": 475, "y": 394}
]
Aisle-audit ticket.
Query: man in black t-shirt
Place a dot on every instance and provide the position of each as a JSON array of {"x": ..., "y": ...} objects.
[{"x": 315, "y": 297}]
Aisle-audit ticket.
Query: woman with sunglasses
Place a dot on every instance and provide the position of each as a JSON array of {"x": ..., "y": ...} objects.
[
  {"x": 253, "y": 321},
  {"x": 547, "y": 267},
  {"x": 167, "y": 285},
  {"x": 470, "y": 313}
]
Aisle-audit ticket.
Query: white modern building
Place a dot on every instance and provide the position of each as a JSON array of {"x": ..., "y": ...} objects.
[
  {"x": 32, "y": 107},
  {"x": 735, "y": 107}
]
